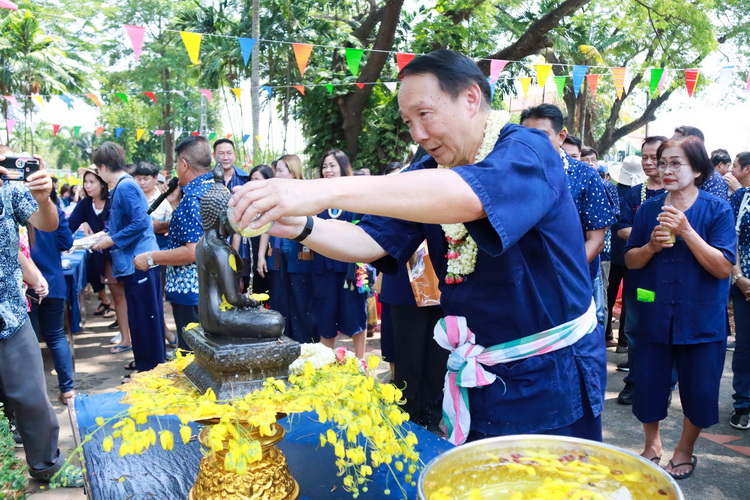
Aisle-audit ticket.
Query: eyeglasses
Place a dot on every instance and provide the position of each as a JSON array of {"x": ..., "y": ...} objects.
[{"x": 674, "y": 166}]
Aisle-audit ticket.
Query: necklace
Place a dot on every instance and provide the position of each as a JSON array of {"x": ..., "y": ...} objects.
[
  {"x": 462, "y": 249},
  {"x": 564, "y": 158},
  {"x": 334, "y": 213}
]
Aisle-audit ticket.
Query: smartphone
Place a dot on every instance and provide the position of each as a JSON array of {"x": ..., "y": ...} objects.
[{"x": 19, "y": 168}]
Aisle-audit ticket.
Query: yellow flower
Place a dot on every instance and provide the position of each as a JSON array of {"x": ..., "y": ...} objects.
[
  {"x": 107, "y": 444},
  {"x": 99, "y": 421},
  {"x": 166, "y": 438},
  {"x": 225, "y": 306},
  {"x": 185, "y": 433},
  {"x": 373, "y": 362}
]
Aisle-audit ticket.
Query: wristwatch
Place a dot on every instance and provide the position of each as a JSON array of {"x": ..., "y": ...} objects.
[
  {"x": 734, "y": 278},
  {"x": 150, "y": 260}
]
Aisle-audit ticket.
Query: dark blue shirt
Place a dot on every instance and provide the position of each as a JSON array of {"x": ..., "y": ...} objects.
[
  {"x": 84, "y": 212},
  {"x": 291, "y": 250},
  {"x": 45, "y": 252},
  {"x": 185, "y": 227},
  {"x": 530, "y": 275},
  {"x": 743, "y": 243},
  {"x": 630, "y": 202},
  {"x": 716, "y": 185},
  {"x": 614, "y": 200},
  {"x": 239, "y": 178},
  {"x": 689, "y": 304},
  {"x": 322, "y": 264}
]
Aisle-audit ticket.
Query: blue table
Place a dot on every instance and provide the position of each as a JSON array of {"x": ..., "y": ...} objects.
[
  {"x": 170, "y": 474},
  {"x": 75, "y": 282}
]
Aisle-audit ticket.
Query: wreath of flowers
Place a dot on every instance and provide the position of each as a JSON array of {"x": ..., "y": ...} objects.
[{"x": 462, "y": 249}]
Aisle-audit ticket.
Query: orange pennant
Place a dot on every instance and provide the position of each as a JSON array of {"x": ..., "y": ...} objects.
[
  {"x": 302, "y": 53},
  {"x": 99, "y": 131},
  {"x": 228, "y": 136},
  {"x": 525, "y": 84},
  {"x": 94, "y": 98},
  {"x": 619, "y": 76},
  {"x": 300, "y": 88},
  {"x": 691, "y": 79},
  {"x": 593, "y": 81}
]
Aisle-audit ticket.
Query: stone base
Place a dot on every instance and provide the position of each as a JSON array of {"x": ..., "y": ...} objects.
[{"x": 235, "y": 367}]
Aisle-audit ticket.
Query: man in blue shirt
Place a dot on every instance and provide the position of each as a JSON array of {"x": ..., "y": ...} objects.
[
  {"x": 521, "y": 264},
  {"x": 185, "y": 229}
]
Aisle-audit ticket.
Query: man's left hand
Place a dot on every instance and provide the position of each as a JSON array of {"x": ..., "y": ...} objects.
[
  {"x": 141, "y": 262},
  {"x": 103, "y": 243}
]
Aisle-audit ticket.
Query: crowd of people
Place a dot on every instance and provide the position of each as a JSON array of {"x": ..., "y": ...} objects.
[{"x": 531, "y": 238}]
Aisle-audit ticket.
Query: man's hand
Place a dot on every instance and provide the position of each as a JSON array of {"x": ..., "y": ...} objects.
[
  {"x": 103, "y": 243},
  {"x": 174, "y": 197},
  {"x": 732, "y": 182},
  {"x": 141, "y": 261}
]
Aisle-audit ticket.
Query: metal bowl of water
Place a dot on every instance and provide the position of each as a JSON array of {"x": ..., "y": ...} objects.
[{"x": 540, "y": 466}]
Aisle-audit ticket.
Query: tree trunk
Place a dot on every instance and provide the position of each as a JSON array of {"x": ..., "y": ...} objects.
[
  {"x": 255, "y": 81},
  {"x": 167, "y": 116}
]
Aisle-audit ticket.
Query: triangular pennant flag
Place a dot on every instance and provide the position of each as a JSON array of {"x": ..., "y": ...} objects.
[
  {"x": 579, "y": 73},
  {"x": 12, "y": 99},
  {"x": 99, "y": 131},
  {"x": 302, "y": 53},
  {"x": 159, "y": 132},
  {"x": 725, "y": 75},
  {"x": 268, "y": 90},
  {"x": 96, "y": 100},
  {"x": 192, "y": 43},
  {"x": 246, "y": 47},
  {"x": 360, "y": 85},
  {"x": 300, "y": 88},
  {"x": 236, "y": 93},
  {"x": 257, "y": 140},
  {"x": 560, "y": 84},
  {"x": 118, "y": 131},
  {"x": 5, "y": 4},
  {"x": 329, "y": 88},
  {"x": 207, "y": 93},
  {"x": 402, "y": 59},
  {"x": 655, "y": 78},
  {"x": 211, "y": 136},
  {"x": 151, "y": 96},
  {"x": 747, "y": 85},
  {"x": 66, "y": 100},
  {"x": 139, "y": 133},
  {"x": 353, "y": 58},
  {"x": 9, "y": 124},
  {"x": 492, "y": 90},
  {"x": 593, "y": 81},
  {"x": 135, "y": 33},
  {"x": 55, "y": 129},
  {"x": 691, "y": 79},
  {"x": 618, "y": 74},
  {"x": 122, "y": 96},
  {"x": 525, "y": 84},
  {"x": 245, "y": 137},
  {"x": 542, "y": 72},
  {"x": 391, "y": 86},
  {"x": 180, "y": 93},
  {"x": 496, "y": 67},
  {"x": 195, "y": 133},
  {"x": 76, "y": 130},
  {"x": 38, "y": 99},
  {"x": 228, "y": 136}
]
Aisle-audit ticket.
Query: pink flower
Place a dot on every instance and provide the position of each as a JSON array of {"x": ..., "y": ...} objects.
[{"x": 341, "y": 355}]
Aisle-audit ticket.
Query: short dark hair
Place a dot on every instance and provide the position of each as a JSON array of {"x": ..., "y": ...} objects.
[
  {"x": 111, "y": 155},
  {"x": 589, "y": 152},
  {"x": 223, "y": 141},
  {"x": 341, "y": 158},
  {"x": 575, "y": 141},
  {"x": 688, "y": 131},
  {"x": 196, "y": 151},
  {"x": 720, "y": 156},
  {"x": 454, "y": 72},
  {"x": 743, "y": 159},
  {"x": 394, "y": 165},
  {"x": 146, "y": 168},
  {"x": 544, "y": 112},
  {"x": 695, "y": 151},
  {"x": 653, "y": 139},
  {"x": 265, "y": 171}
]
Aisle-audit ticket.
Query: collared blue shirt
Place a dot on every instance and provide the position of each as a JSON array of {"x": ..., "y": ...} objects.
[
  {"x": 743, "y": 243},
  {"x": 530, "y": 275},
  {"x": 630, "y": 201},
  {"x": 16, "y": 206},
  {"x": 239, "y": 178},
  {"x": 716, "y": 185},
  {"x": 45, "y": 252},
  {"x": 614, "y": 200},
  {"x": 688, "y": 301},
  {"x": 291, "y": 250},
  {"x": 185, "y": 227}
]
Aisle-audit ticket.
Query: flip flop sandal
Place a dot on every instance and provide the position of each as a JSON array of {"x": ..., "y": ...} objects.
[
  {"x": 693, "y": 463},
  {"x": 102, "y": 309},
  {"x": 109, "y": 313},
  {"x": 130, "y": 366},
  {"x": 65, "y": 397},
  {"x": 119, "y": 348}
]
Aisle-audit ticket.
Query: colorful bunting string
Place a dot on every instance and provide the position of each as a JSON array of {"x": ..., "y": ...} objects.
[
  {"x": 593, "y": 81},
  {"x": 403, "y": 58},
  {"x": 496, "y": 67},
  {"x": 619, "y": 78},
  {"x": 542, "y": 73},
  {"x": 579, "y": 73},
  {"x": 353, "y": 58},
  {"x": 691, "y": 79}
]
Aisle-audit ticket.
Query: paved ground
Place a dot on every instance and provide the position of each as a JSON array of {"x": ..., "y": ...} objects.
[{"x": 723, "y": 470}]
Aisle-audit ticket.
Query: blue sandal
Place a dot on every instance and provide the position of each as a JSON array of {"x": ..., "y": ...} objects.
[{"x": 119, "y": 348}]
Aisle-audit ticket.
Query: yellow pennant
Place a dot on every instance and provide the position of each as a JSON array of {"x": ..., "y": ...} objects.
[
  {"x": 619, "y": 77},
  {"x": 236, "y": 93},
  {"x": 38, "y": 99},
  {"x": 139, "y": 133},
  {"x": 542, "y": 72},
  {"x": 192, "y": 43},
  {"x": 525, "y": 84}
]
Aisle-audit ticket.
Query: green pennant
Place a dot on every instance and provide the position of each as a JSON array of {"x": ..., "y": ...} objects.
[
  {"x": 211, "y": 136},
  {"x": 353, "y": 58},
  {"x": 656, "y": 75},
  {"x": 329, "y": 87},
  {"x": 560, "y": 83},
  {"x": 122, "y": 96},
  {"x": 76, "y": 130}
]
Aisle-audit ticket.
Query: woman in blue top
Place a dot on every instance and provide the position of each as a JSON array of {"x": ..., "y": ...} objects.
[{"x": 680, "y": 252}]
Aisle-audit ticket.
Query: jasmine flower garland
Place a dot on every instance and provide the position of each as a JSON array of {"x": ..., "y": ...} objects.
[{"x": 462, "y": 249}]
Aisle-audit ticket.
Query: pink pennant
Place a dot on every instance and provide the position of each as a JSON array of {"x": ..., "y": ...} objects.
[
  {"x": 593, "y": 81},
  {"x": 135, "y": 33},
  {"x": 496, "y": 67},
  {"x": 151, "y": 96},
  {"x": 8, "y": 5},
  {"x": 12, "y": 99},
  {"x": 208, "y": 95},
  {"x": 691, "y": 79},
  {"x": 302, "y": 53},
  {"x": 159, "y": 132},
  {"x": 403, "y": 58},
  {"x": 55, "y": 129},
  {"x": 9, "y": 124}
]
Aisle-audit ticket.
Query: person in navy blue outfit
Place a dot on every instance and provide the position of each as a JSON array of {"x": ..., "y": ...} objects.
[
  {"x": 680, "y": 254},
  {"x": 131, "y": 233},
  {"x": 715, "y": 183},
  {"x": 740, "y": 295},
  {"x": 530, "y": 273}
]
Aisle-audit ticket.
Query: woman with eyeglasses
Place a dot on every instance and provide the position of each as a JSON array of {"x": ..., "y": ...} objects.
[{"x": 680, "y": 252}]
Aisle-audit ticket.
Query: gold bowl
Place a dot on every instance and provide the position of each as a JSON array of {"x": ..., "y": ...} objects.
[{"x": 541, "y": 466}]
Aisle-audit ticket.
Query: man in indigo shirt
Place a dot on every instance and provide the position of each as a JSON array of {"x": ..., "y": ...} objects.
[
  {"x": 185, "y": 229},
  {"x": 508, "y": 189}
]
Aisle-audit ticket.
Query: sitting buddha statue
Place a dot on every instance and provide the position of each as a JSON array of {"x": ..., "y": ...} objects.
[{"x": 224, "y": 311}]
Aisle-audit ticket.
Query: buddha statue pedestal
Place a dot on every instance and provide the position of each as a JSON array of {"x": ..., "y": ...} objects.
[{"x": 233, "y": 367}]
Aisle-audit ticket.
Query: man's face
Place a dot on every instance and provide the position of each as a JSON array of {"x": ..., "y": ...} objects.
[
  {"x": 648, "y": 159},
  {"x": 723, "y": 168},
  {"x": 591, "y": 160},
  {"x": 573, "y": 151},
  {"x": 224, "y": 153},
  {"x": 147, "y": 182},
  {"x": 740, "y": 173},
  {"x": 437, "y": 122},
  {"x": 545, "y": 125},
  {"x": 181, "y": 169}
]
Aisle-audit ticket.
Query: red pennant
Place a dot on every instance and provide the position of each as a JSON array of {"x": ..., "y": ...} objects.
[
  {"x": 593, "y": 81},
  {"x": 151, "y": 96},
  {"x": 360, "y": 85},
  {"x": 135, "y": 33},
  {"x": 99, "y": 131},
  {"x": 691, "y": 79},
  {"x": 55, "y": 129},
  {"x": 402, "y": 59},
  {"x": 195, "y": 133},
  {"x": 300, "y": 88}
]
